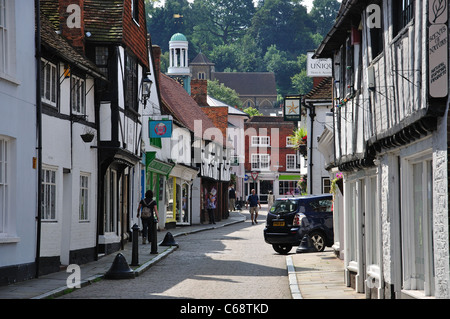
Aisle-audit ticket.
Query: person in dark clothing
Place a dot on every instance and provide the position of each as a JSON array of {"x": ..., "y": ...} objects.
[
  {"x": 211, "y": 206},
  {"x": 253, "y": 200},
  {"x": 231, "y": 198},
  {"x": 149, "y": 215}
]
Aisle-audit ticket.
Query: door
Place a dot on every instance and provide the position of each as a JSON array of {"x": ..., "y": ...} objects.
[{"x": 264, "y": 187}]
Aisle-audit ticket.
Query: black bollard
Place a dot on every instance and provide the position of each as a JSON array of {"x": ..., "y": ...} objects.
[
  {"x": 306, "y": 246},
  {"x": 120, "y": 269},
  {"x": 135, "y": 249},
  {"x": 154, "y": 249}
]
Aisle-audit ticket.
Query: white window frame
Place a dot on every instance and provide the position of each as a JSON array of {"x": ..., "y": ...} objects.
[
  {"x": 7, "y": 40},
  {"x": 49, "y": 77},
  {"x": 49, "y": 200},
  {"x": 289, "y": 141},
  {"x": 4, "y": 186},
  {"x": 410, "y": 281},
  {"x": 261, "y": 141},
  {"x": 78, "y": 95},
  {"x": 84, "y": 197},
  {"x": 326, "y": 188},
  {"x": 289, "y": 158},
  {"x": 135, "y": 11},
  {"x": 257, "y": 162}
]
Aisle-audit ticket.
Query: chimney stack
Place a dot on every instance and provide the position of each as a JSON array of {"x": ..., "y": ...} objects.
[
  {"x": 156, "y": 52},
  {"x": 199, "y": 91},
  {"x": 71, "y": 21}
]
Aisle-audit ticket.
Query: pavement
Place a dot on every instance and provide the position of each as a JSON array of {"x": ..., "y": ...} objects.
[{"x": 311, "y": 275}]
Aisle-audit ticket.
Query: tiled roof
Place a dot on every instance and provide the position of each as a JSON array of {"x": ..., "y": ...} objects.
[
  {"x": 182, "y": 106},
  {"x": 108, "y": 22},
  {"x": 201, "y": 59},
  {"x": 104, "y": 20},
  {"x": 56, "y": 43},
  {"x": 323, "y": 91},
  {"x": 249, "y": 83}
]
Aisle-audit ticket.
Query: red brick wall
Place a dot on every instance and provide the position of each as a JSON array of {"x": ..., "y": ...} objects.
[
  {"x": 276, "y": 153},
  {"x": 199, "y": 91},
  {"x": 219, "y": 117},
  {"x": 135, "y": 36}
]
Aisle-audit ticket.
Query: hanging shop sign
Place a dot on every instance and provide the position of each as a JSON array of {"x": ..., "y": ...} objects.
[
  {"x": 160, "y": 129},
  {"x": 438, "y": 49},
  {"x": 318, "y": 67},
  {"x": 292, "y": 108}
]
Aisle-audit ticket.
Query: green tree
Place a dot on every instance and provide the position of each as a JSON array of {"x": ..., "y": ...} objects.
[
  {"x": 302, "y": 83},
  {"x": 285, "y": 24},
  {"x": 284, "y": 68},
  {"x": 252, "y": 111},
  {"x": 225, "y": 19},
  {"x": 163, "y": 22},
  {"x": 323, "y": 14},
  {"x": 225, "y": 94}
]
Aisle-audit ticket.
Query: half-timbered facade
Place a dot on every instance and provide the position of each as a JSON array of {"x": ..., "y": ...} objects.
[{"x": 390, "y": 72}]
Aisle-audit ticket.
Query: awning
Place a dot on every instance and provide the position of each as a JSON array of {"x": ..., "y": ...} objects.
[
  {"x": 289, "y": 177},
  {"x": 156, "y": 165}
]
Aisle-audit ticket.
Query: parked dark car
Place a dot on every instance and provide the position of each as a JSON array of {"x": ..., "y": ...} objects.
[{"x": 291, "y": 218}]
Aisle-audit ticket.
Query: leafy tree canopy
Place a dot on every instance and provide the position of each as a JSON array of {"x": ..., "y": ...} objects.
[{"x": 246, "y": 35}]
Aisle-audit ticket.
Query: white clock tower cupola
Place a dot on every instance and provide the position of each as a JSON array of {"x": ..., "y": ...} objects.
[{"x": 178, "y": 61}]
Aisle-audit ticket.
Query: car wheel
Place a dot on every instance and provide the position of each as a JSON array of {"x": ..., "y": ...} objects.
[
  {"x": 282, "y": 249},
  {"x": 318, "y": 241}
]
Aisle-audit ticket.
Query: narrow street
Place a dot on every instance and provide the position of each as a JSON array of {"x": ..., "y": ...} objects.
[{"x": 232, "y": 262}]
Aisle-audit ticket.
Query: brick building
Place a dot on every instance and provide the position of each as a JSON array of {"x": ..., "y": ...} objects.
[{"x": 271, "y": 162}]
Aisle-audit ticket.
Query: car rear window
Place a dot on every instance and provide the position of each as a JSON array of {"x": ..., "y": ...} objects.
[
  {"x": 284, "y": 206},
  {"x": 321, "y": 205}
]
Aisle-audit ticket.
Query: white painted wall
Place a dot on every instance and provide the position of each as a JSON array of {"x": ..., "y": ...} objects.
[{"x": 18, "y": 125}]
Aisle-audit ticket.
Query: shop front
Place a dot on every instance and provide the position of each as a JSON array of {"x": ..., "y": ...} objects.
[
  {"x": 279, "y": 184},
  {"x": 156, "y": 176},
  {"x": 179, "y": 195}
]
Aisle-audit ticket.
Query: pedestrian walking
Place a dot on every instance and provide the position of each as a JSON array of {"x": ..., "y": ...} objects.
[
  {"x": 211, "y": 206},
  {"x": 253, "y": 201},
  {"x": 149, "y": 216},
  {"x": 270, "y": 200},
  {"x": 231, "y": 198}
]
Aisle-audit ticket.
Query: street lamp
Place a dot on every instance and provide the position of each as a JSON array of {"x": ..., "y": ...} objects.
[{"x": 146, "y": 86}]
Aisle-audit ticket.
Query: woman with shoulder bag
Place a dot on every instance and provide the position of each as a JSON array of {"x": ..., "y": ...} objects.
[{"x": 149, "y": 209}]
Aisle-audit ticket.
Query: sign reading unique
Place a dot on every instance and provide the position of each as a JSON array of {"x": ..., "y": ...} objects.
[
  {"x": 160, "y": 129},
  {"x": 438, "y": 49},
  {"x": 318, "y": 67},
  {"x": 292, "y": 108}
]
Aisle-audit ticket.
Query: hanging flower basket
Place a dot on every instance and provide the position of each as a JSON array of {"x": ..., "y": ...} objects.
[
  {"x": 303, "y": 150},
  {"x": 337, "y": 182},
  {"x": 87, "y": 137}
]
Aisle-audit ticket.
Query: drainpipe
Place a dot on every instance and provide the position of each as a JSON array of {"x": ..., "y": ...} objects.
[
  {"x": 39, "y": 134},
  {"x": 312, "y": 115}
]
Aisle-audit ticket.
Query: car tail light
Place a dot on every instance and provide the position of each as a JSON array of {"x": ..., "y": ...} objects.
[{"x": 297, "y": 220}]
